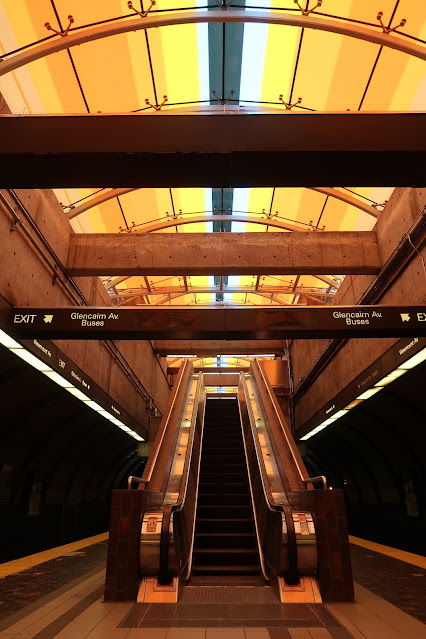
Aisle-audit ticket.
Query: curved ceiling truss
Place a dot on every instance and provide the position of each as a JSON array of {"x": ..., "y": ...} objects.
[
  {"x": 78, "y": 36},
  {"x": 140, "y": 300},
  {"x": 105, "y": 196},
  {"x": 111, "y": 284},
  {"x": 272, "y": 296}
]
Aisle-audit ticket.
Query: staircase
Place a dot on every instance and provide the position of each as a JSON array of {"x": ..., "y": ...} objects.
[{"x": 225, "y": 541}]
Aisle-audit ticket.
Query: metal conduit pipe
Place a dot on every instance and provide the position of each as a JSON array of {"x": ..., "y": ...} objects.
[
  {"x": 66, "y": 281},
  {"x": 392, "y": 267},
  {"x": 387, "y": 276}
]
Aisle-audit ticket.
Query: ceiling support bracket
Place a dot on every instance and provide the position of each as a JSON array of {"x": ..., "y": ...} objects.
[
  {"x": 306, "y": 12},
  {"x": 386, "y": 29},
  {"x": 142, "y": 14},
  {"x": 288, "y": 105},
  {"x": 61, "y": 33}
]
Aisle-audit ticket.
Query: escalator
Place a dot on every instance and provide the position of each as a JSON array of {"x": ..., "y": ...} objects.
[
  {"x": 225, "y": 540},
  {"x": 225, "y": 498}
]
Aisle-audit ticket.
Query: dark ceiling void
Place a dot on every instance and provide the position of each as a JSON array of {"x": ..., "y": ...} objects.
[
  {"x": 375, "y": 453},
  {"x": 59, "y": 461}
]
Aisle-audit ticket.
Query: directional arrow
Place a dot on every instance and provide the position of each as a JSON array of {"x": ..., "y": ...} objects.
[{"x": 405, "y": 317}]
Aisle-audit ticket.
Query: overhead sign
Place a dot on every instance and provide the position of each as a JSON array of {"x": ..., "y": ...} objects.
[{"x": 218, "y": 323}]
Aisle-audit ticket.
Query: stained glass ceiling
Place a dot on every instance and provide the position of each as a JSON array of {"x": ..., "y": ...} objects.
[{"x": 217, "y": 65}]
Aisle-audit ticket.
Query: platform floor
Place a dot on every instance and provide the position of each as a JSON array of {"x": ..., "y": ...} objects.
[{"x": 61, "y": 595}]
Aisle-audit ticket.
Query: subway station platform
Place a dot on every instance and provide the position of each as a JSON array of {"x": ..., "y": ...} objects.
[{"x": 59, "y": 593}]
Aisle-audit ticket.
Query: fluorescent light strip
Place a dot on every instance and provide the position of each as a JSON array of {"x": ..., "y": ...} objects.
[
  {"x": 369, "y": 393},
  {"x": 378, "y": 386},
  {"x": 44, "y": 368},
  {"x": 414, "y": 361}
]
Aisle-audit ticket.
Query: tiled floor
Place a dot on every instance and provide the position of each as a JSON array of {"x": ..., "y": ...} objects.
[
  {"x": 19, "y": 590},
  {"x": 63, "y": 598},
  {"x": 403, "y": 585}
]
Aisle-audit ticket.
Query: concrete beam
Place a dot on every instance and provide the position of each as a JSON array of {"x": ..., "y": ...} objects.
[
  {"x": 224, "y": 149},
  {"x": 223, "y": 254},
  {"x": 210, "y": 348}
]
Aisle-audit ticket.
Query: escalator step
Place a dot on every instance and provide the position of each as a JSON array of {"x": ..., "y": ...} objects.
[
  {"x": 223, "y": 512},
  {"x": 225, "y": 570},
  {"x": 223, "y": 478},
  {"x": 207, "y": 488},
  {"x": 225, "y": 556},
  {"x": 230, "y": 466},
  {"x": 220, "y": 525},
  {"x": 227, "y": 499},
  {"x": 225, "y": 540}
]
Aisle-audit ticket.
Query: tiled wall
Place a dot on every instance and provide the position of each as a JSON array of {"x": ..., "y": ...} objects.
[
  {"x": 122, "y": 574},
  {"x": 335, "y": 570}
]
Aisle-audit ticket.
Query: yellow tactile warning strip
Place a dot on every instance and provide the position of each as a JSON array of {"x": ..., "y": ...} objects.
[
  {"x": 17, "y": 565},
  {"x": 402, "y": 555}
]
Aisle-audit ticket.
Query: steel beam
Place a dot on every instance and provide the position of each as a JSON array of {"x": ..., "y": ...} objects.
[
  {"x": 223, "y": 254},
  {"x": 154, "y": 20},
  {"x": 218, "y": 150},
  {"x": 212, "y": 348}
]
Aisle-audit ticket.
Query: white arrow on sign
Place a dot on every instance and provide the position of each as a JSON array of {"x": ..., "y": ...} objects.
[
  {"x": 48, "y": 319},
  {"x": 405, "y": 317}
]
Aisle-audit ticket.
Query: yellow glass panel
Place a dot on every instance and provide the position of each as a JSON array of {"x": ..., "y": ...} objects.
[
  {"x": 106, "y": 74},
  {"x": 141, "y": 206},
  {"x": 85, "y": 12},
  {"x": 106, "y": 218},
  {"x": 364, "y": 9},
  {"x": 180, "y": 53},
  {"x": 260, "y": 198},
  {"x": 27, "y": 27},
  {"x": 298, "y": 205},
  {"x": 333, "y": 215},
  {"x": 316, "y": 67},
  {"x": 352, "y": 70},
  {"x": 190, "y": 201},
  {"x": 280, "y": 57}
]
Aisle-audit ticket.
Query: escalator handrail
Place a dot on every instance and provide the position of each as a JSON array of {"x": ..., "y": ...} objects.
[
  {"x": 270, "y": 501},
  {"x": 292, "y": 574},
  {"x": 179, "y": 504},
  {"x": 303, "y": 477},
  {"x": 262, "y": 561},
  {"x": 164, "y": 576},
  {"x": 175, "y": 395}
]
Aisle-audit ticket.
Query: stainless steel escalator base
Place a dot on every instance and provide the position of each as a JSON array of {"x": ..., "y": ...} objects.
[{"x": 231, "y": 615}]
